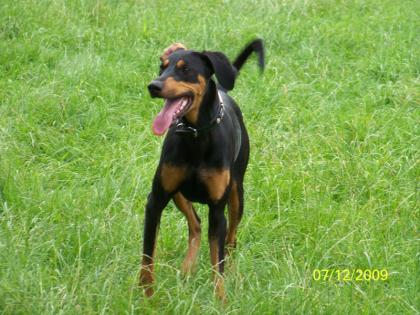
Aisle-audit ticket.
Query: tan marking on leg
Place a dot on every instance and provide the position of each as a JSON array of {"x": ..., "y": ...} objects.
[
  {"x": 146, "y": 271},
  {"x": 233, "y": 213},
  {"x": 214, "y": 254},
  {"x": 194, "y": 232},
  {"x": 171, "y": 49},
  {"x": 219, "y": 288},
  {"x": 216, "y": 182},
  {"x": 146, "y": 275},
  {"x": 172, "y": 176}
]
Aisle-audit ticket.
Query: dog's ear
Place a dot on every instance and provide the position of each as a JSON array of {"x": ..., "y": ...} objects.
[
  {"x": 222, "y": 68},
  {"x": 171, "y": 49}
]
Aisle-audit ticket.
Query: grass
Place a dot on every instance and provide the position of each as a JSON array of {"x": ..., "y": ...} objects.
[{"x": 333, "y": 180}]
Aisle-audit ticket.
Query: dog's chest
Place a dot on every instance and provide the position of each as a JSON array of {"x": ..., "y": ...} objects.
[{"x": 205, "y": 185}]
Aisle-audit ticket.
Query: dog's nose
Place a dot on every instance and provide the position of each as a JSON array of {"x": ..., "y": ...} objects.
[{"x": 155, "y": 87}]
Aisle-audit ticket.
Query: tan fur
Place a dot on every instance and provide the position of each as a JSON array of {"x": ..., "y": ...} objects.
[
  {"x": 171, "y": 49},
  {"x": 233, "y": 213},
  {"x": 192, "y": 114},
  {"x": 180, "y": 64},
  {"x": 173, "y": 88},
  {"x": 146, "y": 275},
  {"x": 172, "y": 176},
  {"x": 218, "y": 279},
  {"x": 216, "y": 182},
  {"x": 194, "y": 229}
]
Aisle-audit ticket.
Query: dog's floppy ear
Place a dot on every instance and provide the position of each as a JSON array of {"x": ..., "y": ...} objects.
[
  {"x": 222, "y": 68},
  {"x": 171, "y": 49}
]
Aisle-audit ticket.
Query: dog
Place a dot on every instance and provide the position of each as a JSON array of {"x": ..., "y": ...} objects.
[{"x": 204, "y": 155}]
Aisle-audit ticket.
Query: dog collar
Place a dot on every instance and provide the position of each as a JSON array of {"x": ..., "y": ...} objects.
[{"x": 183, "y": 127}]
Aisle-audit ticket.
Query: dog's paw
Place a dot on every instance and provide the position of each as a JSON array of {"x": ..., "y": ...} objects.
[
  {"x": 188, "y": 267},
  {"x": 219, "y": 289},
  {"x": 146, "y": 282}
]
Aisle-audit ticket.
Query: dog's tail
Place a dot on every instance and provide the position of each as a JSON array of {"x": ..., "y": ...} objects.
[{"x": 256, "y": 46}]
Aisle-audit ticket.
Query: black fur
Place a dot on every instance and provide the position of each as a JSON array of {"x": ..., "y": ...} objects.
[
  {"x": 222, "y": 68},
  {"x": 254, "y": 46}
]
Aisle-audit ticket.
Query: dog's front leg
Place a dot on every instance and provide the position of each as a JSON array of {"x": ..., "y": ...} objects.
[
  {"x": 165, "y": 183},
  {"x": 217, "y": 235},
  {"x": 156, "y": 202}
]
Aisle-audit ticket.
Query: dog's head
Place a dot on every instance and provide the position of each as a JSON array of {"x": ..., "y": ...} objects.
[{"x": 183, "y": 80}]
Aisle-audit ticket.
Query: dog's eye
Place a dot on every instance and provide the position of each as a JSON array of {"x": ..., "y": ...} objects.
[{"x": 185, "y": 69}]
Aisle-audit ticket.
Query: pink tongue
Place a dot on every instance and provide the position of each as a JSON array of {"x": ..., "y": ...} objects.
[{"x": 164, "y": 119}]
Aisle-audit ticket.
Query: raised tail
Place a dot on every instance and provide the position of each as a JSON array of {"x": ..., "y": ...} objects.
[{"x": 256, "y": 46}]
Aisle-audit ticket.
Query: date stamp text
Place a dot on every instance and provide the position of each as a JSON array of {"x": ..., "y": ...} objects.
[{"x": 347, "y": 275}]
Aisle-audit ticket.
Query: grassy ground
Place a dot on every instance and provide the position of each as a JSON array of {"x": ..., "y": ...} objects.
[{"x": 332, "y": 182}]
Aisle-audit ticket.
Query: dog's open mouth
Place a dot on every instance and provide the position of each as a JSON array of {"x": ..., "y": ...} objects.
[{"x": 173, "y": 109}]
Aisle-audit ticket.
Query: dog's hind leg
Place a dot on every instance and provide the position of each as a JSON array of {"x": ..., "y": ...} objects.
[
  {"x": 235, "y": 211},
  {"x": 194, "y": 232}
]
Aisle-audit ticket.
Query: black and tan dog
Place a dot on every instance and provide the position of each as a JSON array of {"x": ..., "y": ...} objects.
[{"x": 204, "y": 155}]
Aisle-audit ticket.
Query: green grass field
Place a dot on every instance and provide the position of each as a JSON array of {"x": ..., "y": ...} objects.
[{"x": 333, "y": 179}]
